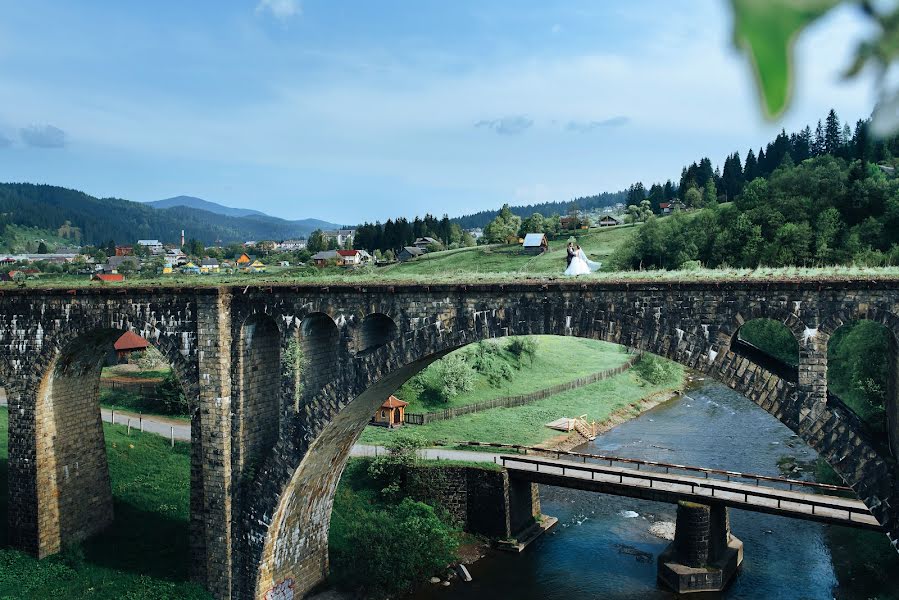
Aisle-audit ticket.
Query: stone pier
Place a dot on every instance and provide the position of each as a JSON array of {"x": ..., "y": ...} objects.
[{"x": 704, "y": 556}]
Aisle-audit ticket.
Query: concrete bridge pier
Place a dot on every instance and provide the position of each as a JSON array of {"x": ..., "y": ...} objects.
[{"x": 704, "y": 556}]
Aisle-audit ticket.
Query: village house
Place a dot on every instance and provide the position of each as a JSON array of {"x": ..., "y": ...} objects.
[
  {"x": 669, "y": 207},
  {"x": 244, "y": 260},
  {"x": 391, "y": 414},
  {"x": 256, "y": 266},
  {"x": 422, "y": 243},
  {"x": 124, "y": 250},
  {"x": 114, "y": 263},
  {"x": 321, "y": 259},
  {"x": 408, "y": 253},
  {"x": 292, "y": 245},
  {"x": 534, "y": 243},
  {"x": 128, "y": 343},
  {"x": 190, "y": 269},
  {"x": 154, "y": 246},
  {"x": 353, "y": 258},
  {"x": 209, "y": 265},
  {"x": 609, "y": 221}
]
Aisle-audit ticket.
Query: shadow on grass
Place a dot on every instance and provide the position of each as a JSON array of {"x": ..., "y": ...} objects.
[{"x": 142, "y": 542}]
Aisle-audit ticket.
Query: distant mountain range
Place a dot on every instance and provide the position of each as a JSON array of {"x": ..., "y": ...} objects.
[
  {"x": 100, "y": 220},
  {"x": 199, "y": 203}
]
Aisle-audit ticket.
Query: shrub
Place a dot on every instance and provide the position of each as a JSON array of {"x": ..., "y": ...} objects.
[
  {"x": 449, "y": 377},
  {"x": 171, "y": 397},
  {"x": 653, "y": 369},
  {"x": 390, "y": 550},
  {"x": 486, "y": 358},
  {"x": 522, "y": 347},
  {"x": 389, "y": 470}
]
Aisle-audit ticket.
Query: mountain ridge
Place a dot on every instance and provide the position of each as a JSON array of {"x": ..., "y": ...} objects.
[{"x": 201, "y": 204}]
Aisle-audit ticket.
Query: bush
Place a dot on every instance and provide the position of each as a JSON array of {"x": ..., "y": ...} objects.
[
  {"x": 390, "y": 550},
  {"x": 389, "y": 470},
  {"x": 653, "y": 369},
  {"x": 449, "y": 377},
  {"x": 171, "y": 397},
  {"x": 522, "y": 347},
  {"x": 487, "y": 360}
]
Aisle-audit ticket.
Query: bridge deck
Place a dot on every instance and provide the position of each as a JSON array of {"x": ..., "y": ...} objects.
[{"x": 665, "y": 487}]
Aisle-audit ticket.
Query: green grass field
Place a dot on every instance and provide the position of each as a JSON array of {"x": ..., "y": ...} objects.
[
  {"x": 144, "y": 555},
  {"x": 598, "y": 244},
  {"x": 526, "y": 424},
  {"x": 558, "y": 360}
]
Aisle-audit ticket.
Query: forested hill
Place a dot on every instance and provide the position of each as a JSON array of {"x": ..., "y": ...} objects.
[
  {"x": 88, "y": 220},
  {"x": 480, "y": 219}
]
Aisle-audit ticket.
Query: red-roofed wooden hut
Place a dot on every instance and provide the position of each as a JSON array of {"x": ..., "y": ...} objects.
[{"x": 391, "y": 414}]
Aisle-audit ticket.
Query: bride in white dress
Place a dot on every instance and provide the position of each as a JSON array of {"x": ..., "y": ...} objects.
[{"x": 581, "y": 265}]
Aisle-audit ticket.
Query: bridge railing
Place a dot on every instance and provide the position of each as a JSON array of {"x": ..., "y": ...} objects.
[
  {"x": 639, "y": 464},
  {"x": 706, "y": 488}
]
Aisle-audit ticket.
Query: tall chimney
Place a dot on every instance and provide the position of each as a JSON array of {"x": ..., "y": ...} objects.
[{"x": 182, "y": 239}]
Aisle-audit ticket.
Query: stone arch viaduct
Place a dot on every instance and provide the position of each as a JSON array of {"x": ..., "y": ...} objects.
[{"x": 282, "y": 380}]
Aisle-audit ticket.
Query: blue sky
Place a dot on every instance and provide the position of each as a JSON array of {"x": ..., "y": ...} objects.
[{"x": 352, "y": 111}]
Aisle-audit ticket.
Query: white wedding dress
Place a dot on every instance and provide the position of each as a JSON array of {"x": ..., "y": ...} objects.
[
  {"x": 593, "y": 265},
  {"x": 581, "y": 265}
]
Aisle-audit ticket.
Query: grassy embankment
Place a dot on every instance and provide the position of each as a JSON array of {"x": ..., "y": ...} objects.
[
  {"x": 527, "y": 424},
  {"x": 144, "y": 554},
  {"x": 598, "y": 244},
  {"x": 558, "y": 360}
]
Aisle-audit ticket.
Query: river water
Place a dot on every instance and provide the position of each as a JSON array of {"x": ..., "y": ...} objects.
[{"x": 602, "y": 547}]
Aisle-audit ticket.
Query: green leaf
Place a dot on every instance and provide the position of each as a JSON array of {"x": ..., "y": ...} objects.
[{"x": 765, "y": 30}]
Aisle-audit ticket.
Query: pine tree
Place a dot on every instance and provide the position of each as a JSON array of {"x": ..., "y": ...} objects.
[
  {"x": 860, "y": 144},
  {"x": 832, "y": 135},
  {"x": 818, "y": 146},
  {"x": 732, "y": 177},
  {"x": 669, "y": 191},
  {"x": 751, "y": 168}
]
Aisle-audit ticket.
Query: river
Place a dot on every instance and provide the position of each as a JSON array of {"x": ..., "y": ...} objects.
[{"x": 600, "y": 549}]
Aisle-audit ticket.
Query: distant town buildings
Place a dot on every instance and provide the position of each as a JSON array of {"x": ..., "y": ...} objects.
[
  {"x": 343, "y": 237},
  {"x": 292, "y": 245},
  {"x": 154, "y": 246}
]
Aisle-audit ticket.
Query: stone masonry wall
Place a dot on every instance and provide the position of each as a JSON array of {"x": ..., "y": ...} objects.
[
  {"x": 260, "y": 390},
  {"x": 481, "y": 501}
]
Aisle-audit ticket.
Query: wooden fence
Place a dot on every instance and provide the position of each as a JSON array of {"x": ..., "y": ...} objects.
[
  {"x": 520, "y": 400},
  {"x": 138, "y": 388}
]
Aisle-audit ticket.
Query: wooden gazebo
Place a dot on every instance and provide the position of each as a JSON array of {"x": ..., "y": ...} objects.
[{"x": 391, "y": 414}]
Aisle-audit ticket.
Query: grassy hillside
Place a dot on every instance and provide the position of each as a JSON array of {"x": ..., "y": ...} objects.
[
  {"x": 527, "y": 424},
  {"x": 16, "y": 238},
  {"x": 598, "y": 244},
  {"x": 558, "y": 360}
]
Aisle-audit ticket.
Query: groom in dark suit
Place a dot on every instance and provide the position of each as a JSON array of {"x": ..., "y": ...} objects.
[{"x": 570, "y": 255}]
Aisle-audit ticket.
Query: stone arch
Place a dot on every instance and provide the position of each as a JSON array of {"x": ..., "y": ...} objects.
[
  {"x": 59, "y": 481},
  {"x": 257, "y": 378},
  {"x": 889, "y": 322},
  {"x": 291, "y": 540},
  {"x": 302, "y": 511},
  {"x": 778, "y": 349},
  {"x": 320, "y": 343},
  {"x": 376, "y": 330}
]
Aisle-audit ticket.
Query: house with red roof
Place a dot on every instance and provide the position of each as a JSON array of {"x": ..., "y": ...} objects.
[
  {"x": 391, "y": 414},
  {"x": 127, "y": 343}
]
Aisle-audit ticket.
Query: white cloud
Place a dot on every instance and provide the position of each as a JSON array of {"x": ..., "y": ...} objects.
[
  {"x": 43, "y": 136},
  {"x": 280, "y": 9},
  {"x": 556, "y": 29},
  {"x": 588, "y": 126},
  {"x": 511, "y": 125}
]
